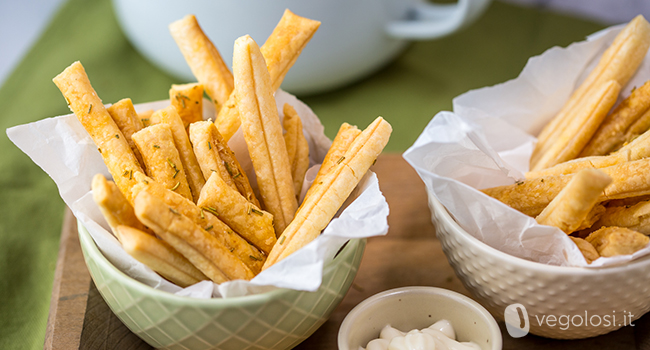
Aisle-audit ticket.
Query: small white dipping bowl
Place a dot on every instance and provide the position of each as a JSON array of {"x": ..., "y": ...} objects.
[{"x": 410, "y": 308}]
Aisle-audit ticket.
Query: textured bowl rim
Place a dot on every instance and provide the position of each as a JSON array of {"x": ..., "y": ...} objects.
[
  {"x": 495, "y": 331},
  {"x": 89, "y": 246},
  {"x": 572, "y": 270}
]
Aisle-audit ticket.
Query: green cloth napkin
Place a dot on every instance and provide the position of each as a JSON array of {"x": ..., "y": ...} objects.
[{"x": 408, "y": 93}]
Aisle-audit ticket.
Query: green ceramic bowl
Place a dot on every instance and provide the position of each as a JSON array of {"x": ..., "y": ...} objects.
[{"x": 280, "y": 319}]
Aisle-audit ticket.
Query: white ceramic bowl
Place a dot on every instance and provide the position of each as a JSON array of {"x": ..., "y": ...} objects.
[
  {"x": 416, "y": 308},
  {"x": 619, "y": 294}
]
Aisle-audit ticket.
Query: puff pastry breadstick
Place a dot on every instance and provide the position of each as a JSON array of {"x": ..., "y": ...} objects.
[
  {"x": 611, "y": 133},
  {"x": 573, "y": 204},
  {"x": 618, "y": 63},
  {"x": 280, "y": 51},
  {"x": 530, "y": 196},
  {"x": 575, "y": 165},
  {"x": 214, "y": 155},
  {"x": 111, "y": 143},
  {"x": 255, "y": 225},
  {"x": 188, "y": 100},
  {"x": 203, "y": 58},
  {"x": 199, "y": 247},
  {"x": 186, "y": 154},
  {"x": 206, "y": 152},
  {"x": 113, "y": 205},
  {"x": 588, "y": 251},
  {"x": 629, "y": 179},
  {"x": 159, "y": 256},
  {"x": 161, "y": 158},
  {"x": 579, "y": 130},
  {"x": 124, "y": 115},
  {"x": 206, "y": 218},
  {"x": 640, "y": 126},
  {"x": 297, "y": 147},
  {"x": 611, "y": 241},
  {"x": 145, "y": 117},
  {"x": 319, "y": 208},
  {"x": 263, "y": 132},
  {"x": 286, "y": 42},
  {"x": 628, "y": 201},
  {"x": 639, "y": 148},
  {"x": 635, "y": 217},
  {"x": 342, "y": 141}
]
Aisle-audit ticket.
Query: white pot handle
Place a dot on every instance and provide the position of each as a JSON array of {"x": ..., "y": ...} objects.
[{"x": 429, "y": 21}]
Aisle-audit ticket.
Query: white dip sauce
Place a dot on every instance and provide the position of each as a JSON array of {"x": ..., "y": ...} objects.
[{"x": 439, "y": 336}]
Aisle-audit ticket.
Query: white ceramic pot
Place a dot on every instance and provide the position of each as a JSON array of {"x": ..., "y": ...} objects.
[{"x": 356, "y": 37}]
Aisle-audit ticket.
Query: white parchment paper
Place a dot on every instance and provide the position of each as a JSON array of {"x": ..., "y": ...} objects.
[
  {"x": 65, "y": 151},
  {"x": 488, "y": 139}
]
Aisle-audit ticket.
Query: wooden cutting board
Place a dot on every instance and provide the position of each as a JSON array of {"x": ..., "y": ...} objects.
[{"x": 409, "y": 255}]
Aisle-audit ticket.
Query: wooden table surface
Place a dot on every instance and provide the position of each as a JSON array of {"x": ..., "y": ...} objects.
[{"x": 408, "y": 255}]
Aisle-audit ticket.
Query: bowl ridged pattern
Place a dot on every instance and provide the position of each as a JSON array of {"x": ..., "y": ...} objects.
[
  {"x": 279, "y": 319},
  {"x": 497, "y": 280}
]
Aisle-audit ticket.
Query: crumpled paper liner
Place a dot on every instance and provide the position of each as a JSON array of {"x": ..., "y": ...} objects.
[
  {"x": 65, "y": 151},
  {"x": 488, "y": 139}
]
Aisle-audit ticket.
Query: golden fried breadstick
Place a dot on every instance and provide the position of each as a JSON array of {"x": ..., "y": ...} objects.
[
  {"x": 319, "y": 208},
  {"x": 588, "y": 251},
  {"x": 280, "y": 52},
  {"x": 639, "y": 127},
  {"x": 191, "y": 166},
  {"x": 255, "y": 225},
  {"x": 111, "y": 143},
  {"x": 214, "y": 155},
  {"x": 206, "y": 152},
  {"x": 145, "y": 117},
  {"x": 574, "y": 165},
  {"x": 592, "y": 217},
  {"x": 124, "y": 115},
  {"x": 205, "y": 217},
  {"x": 572, "y": 139},
  {"x": 286, "y": 42},
  {"x": 611, "y": 241},
  {"x": 263, "y": 132},
  {"x": 629, "y": 179},
  {"x": 161, "y": 158},
  {"x": 297, "y": 146},
  {"x": 618, "y": 62},
  {"x": 159, "y": 256},
  {"x": 635, "y": 217},
  {"x": 572, "y": 205},
  {"x": 639, "y": 148},
  {"x": 530, "y": 196},
  {"x": 198, "y": 246},
  {"x": 628, "y": 201},
  {"x": 188, "y": 100},
  {"x": 203, "y": 58},
  {"x": 342, "y": 141},
  {"x": 611, "y": 133},
  {"x": 113, "y": 205}
]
